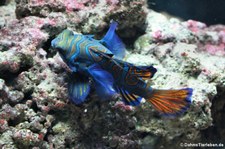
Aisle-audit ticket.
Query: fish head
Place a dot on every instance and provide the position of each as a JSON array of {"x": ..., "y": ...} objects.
[{"x": 60, "y": 42}]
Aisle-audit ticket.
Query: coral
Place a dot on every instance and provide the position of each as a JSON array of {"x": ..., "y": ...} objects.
[
  {"x": 194, "y": 26},
  {"x": 33, "y": 80},
  {"x": 34, "y": 108},
  {"x": 212, "y": 40},
  {"x": 26, "y": 137},
  {"x": 7, "y": 12},
  {"x": 8, "y": 95},
  {"x": 88, "y": 16},
  {"x": 157, "y": 29},
  {"x": 183, "y": 63}
]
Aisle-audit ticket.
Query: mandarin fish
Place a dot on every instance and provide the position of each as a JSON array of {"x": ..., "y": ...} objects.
[{"x": 113, "y": 78}]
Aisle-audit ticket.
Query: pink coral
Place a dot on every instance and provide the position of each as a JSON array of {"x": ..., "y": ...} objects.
[
  {"x": 37, "y": 35},
  {"x": 73, "y": 5},
  {"x": 112, "y": 2},
  {"x": 206, "y": 71},
  {"x": 215, "y": 49},
  {"x": 3, "y": 125},
  {"x": 212, "y": 40},
  {"x": 222, "y": 36},
  {"x": 157, "y": 34},
  {"x": 195, "y": 26},
  {"x": 122, "y": 106},
  {"x": 37, "y": 2},
  {"x": 26, "y": 136}
]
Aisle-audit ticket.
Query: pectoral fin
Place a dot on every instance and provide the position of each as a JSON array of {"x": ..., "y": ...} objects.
[
  {"x": 103, "y": 82},
  {"x": 79, "y": 88}
]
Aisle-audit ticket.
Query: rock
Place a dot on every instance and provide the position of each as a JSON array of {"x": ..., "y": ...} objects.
[
  {"x": 182, "y": 63},
  {"x": 88, "y": 16},
  {"x": 7, "y": 12}
]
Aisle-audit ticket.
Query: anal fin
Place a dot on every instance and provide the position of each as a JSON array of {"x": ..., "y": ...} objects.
[{"x": 128, "y": 98}]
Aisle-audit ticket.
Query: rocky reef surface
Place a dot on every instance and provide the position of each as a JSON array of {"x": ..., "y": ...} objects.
[{"x": 34, "y": 107}]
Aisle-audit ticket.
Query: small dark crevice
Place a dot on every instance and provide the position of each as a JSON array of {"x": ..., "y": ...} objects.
[
  {"x": 3, "y": 47},
  {"x": 27, "y": 96},
  {"x": 129, "y": 41},
  {"x": 46, "y": 136},
  {"x": 35, "y": 107},
  {"x": 24, "y": 12},
  {"x": 47, "y": 47},
  {"x": 52, "y": 112},
  {"x": 49, "y": 131},
  {"x": 216, "y": 133},
  {"x": 4, "y": 2},
  {"x": 20, "y": 15},
  {"x": 25, "y": 65},
  {"x": 8, "y": 76},
  {"x": 142, "y": 135},
  {"x": 68, "y": 142},
  {"x": 16, "y": 120},
  {"x": 47, "y": 44}
]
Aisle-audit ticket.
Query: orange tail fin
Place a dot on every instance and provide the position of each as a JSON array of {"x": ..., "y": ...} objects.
[{"x": 171, "y": 102}]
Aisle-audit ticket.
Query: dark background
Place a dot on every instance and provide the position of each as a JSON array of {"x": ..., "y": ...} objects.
[{"x": 207, "y": 11}]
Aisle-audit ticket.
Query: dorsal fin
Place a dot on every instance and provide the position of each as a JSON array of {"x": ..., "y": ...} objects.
[{"x": 112, "y": 41}]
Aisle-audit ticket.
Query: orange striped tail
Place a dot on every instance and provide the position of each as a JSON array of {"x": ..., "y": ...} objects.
[{"x": 171, "y": 102}]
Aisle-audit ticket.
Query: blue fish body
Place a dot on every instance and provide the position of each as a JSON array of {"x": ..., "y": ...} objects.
[
  {"x": 75, "y": 49},
  {"x": 102, "y": 61}
]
